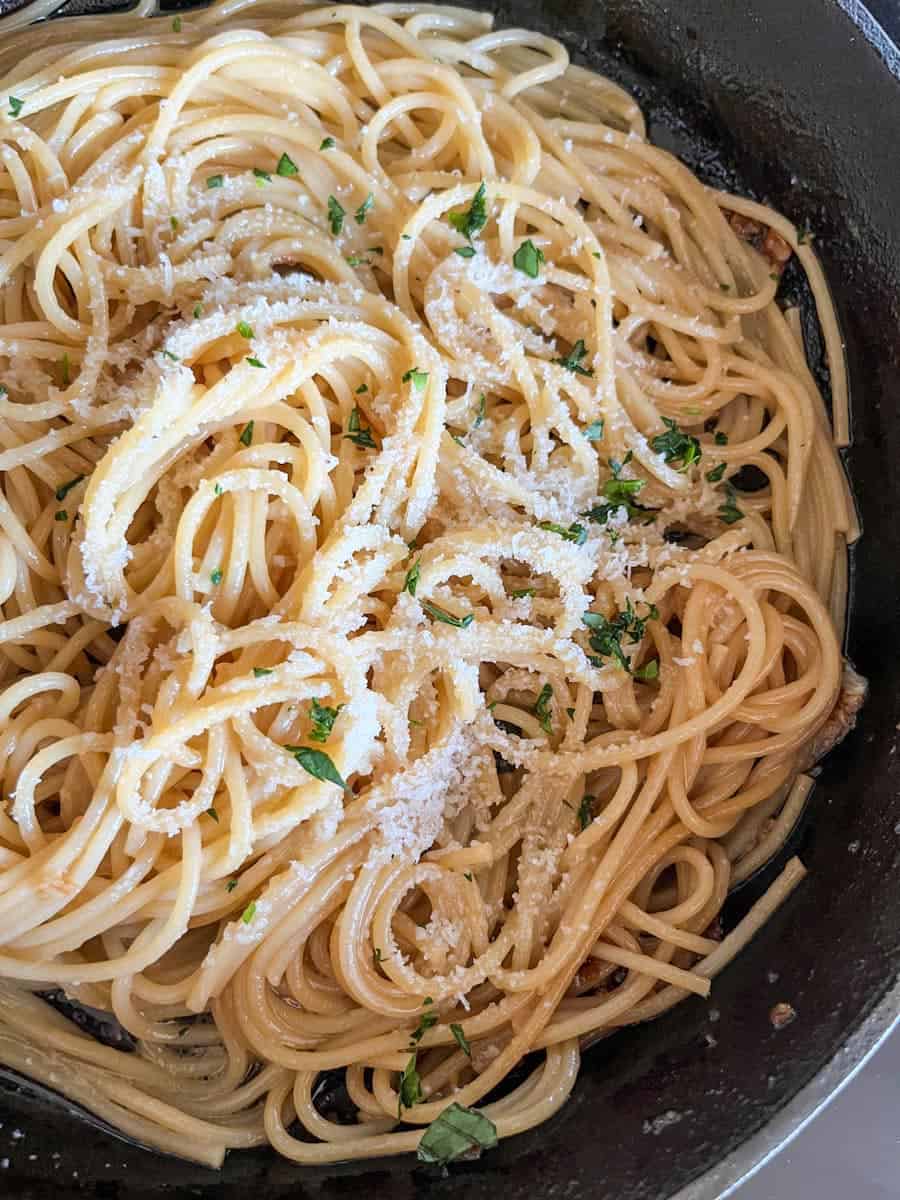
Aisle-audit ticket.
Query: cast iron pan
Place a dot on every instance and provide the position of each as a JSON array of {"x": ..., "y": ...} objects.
[{"x": 797, "y": 103}]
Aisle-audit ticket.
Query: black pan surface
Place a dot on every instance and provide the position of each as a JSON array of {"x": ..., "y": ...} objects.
[{"x": 799, "y": 104}]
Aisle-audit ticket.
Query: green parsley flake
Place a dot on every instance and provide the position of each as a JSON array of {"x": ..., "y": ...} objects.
[
  {"x": 258, "y": 672},
  {"x": 362, "y": 389},
  {"x": 61, "y": 515},
  {"x": 464, "y": 251},
  {"x": 176, "y": 24},
  {"x": 416, "y": 377},
  {"x": 457, "y": 1132},
  {"x": 215, "y": 577},
  {"x": 249, "y": 912},
  {"x": 359, "y": 434},
  {"x": 594, "y": 431},
  {"x": 211, "y": 812},
  {"x": 15, "y": 106},
  {"x": 620, "y": 493},
  {"x": 364, "y": 209},
  {"x": 572, "y": 360},
  {"x": 323, "y": 719},
  {"x": 585, "y": 812},
  {"x": 439, "y": 614},
  {"x": 245, "y": 330},
  {"x": 729, "y": 511},
  {"x": 461, "y": 1039},
  {"x": 650, "y": 670},
  {"x": 174, "y": 357},
  {"x": 286, "y": 166},
  {"x": 336, "y": 215},
  {"x": 542, "y": 708},
  {"x": 521, "y": 593},
  {"x": 198, "y": 310},
  {"x": 262, "y": 177},
  {"x": 327, "y": 143},
  {"x": 528, "y": 258},
  {"x": 573, "y": 533},
  {"x": 215, "y": 181},
  {"x": 606, "y": 635},
  {"x": 231, "y": 885},
  {"x": 64, "y": 488},
  {"x": 481, "y": 411},
  {"x": 247, "y": 434},
  {"x": 410, "y": 1091},
  {"x": 474, "y": 218},
  {"x": 255, "y": 362},
  {"x": 721, "y": 439},
  {"x": 412, "y": 578},
  {"x": 173, "y": 224},
  {"x": 318, "y": 764},
  {"x": 716, "y": 473},
  {"x": 675, "y": 446}
]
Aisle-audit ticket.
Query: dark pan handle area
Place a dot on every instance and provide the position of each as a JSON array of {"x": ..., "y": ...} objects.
[{"x": 797, "y": 103}]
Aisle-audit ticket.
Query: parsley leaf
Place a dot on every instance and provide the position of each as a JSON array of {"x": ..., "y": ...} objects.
[
  {"x": 585, "y": 812},
  {"x": 327, "y": 143},
  {"x": 364, "y": 209},
  {"x": 542, "y": 708},
  {"x": 198, "y": 310},
  {"x": 461, "y": 1039},
  {"x": 574, "y": 533},
  {"x": 215, "y": 577},
  {"x": 606, "y": 635},
  {"x": 721, "y": 439},
  {"x": 416, "y": 377},
  {"x": 255, "y": 362},
  {"x": 15, "y": 106},
  {"x": 650, "y": 670},
  {"x": 521, "y": 593},
  {"x": 457, "y": 1131},
  {"x": 410, "y": 1086},
  {"x": 60, "y": 515},
  {"x": 215, "y": 181},
  {"x": 729, "y": 511},
  {"x": 619, "y": 493},
  {"x": 64, "y": 488},
  {"x": 572, "y": 360},
  {"x": 176, "y": 24},
  {"x": 249, "y": 912},
  {"x": 336, "y": 215},
  {"x": 594, "y": 431},
  {"x": 286, "y": 166},
  {"x": 412, "y": 578},
  {"x": 246, "y": 434},
  {"x": 231, "y": 885},
  {"x": 676, "y": 446},
  {"x": 359, "y": 434},
  {"x": 259, "y": 672},
  {"x": 481, "y": 411},
  {"x": 318, "y": 764},
  {"x": 464, "y": 251},
  {"x": 528, "y": 259},
  {"x": 716, "y": 473},
  {"x": 323, "y": 719},
  {"x": 439, "y": 614},
  {"x": 474, "y": 218},
  {"x": 211, "y": 812},
  {"x": 426, "y": 1021},
  {"x": 245, "y": 330},
  {"x": 261, "y": 176}
]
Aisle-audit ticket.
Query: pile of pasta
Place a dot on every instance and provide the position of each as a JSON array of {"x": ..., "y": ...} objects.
[{"x": 422, "y": 562}]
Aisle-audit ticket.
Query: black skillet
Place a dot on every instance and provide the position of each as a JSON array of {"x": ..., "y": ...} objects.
[{"x": 796, "y": 101}]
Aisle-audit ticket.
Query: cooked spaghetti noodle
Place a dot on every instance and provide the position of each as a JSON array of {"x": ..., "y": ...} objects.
[{"x": 400, "y": 658}]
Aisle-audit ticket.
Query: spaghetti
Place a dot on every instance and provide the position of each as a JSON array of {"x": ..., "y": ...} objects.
[{"x": 398, "y": 665}]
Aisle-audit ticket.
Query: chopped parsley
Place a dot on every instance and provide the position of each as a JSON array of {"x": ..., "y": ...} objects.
[
  {"x": 174, "y": 357},
  {"x": 410, "y": 1086},
  {"x": 464, "y": 251},
  {"x": 729, "y": 511},
  {"x": 606, "y": 635},
  {"x": 585, "y": 812},
  {"x": 15, "y": 106},
  {"x": 359, "y": 434},
  {"x": 245, "y": 330},
  {"x": 211, "y": 812},
  {"x": 231, "y": 885},
  {"x": 323, "y": 719},
  {"x": 439, "y": 614},
  {"x": 650, "y": 670},
  {"x": 716, "y": 473},
  {"x": 286, "y": 166},
  {"x": 572, "y": 360},
  {"x": 198, "y": 310},
  {"x": 364, "y": 209},
  {"x": 176, "y": 24},
  {"x": 521, "y": 593},
  {"x": 255, "y": 362},
  {"x": 573, "y": 533},
  {"x": 259, "y": 672},
  {"x": 327, "y": 143},
  {"x": 457, "y": 1132},
  {"x": 457, "y": 1031},
  {"x": 594, "y": 431},
  {"x": 416, "y": 377},
  {"x": 411, "y": 582},
  {"x": 249, "y": 912},
  {"x": 318, "y": 764},
  {"x": 676, "y": 446},
  {"x": 217, "y": 490},
  {"x": 246, "y": 434},
  {"x": 721, "y": 439},
  {"x": 173, "y": 224},
  {"x": 215, "y": 577},
  {"x": 215, "y": 181},
  {"x": 474, "y": 218},
  {"x": 362, "y": 389},
  {"x": 542, "y": 708},
  {"x": 620, "y": 493},
  {"x": 528, "y": 258},
  {"x": 481, "y": 411},
  {"x": 64, "y": 488},
  {"x": 336, "y": 215},
  {"x": 261, "y": 176},
  {"x": 60, "y": 515},
  {"x": 426, "y": 1021}
]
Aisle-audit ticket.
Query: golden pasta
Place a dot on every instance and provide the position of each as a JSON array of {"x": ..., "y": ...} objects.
[{"x": 422, "y": 544}]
